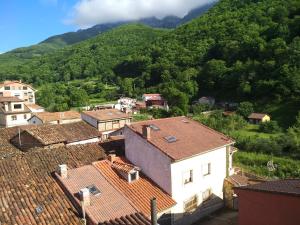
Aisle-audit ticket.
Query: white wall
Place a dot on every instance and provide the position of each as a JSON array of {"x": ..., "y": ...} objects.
[
  {"x": 35, "y": 121},
  {"x": 152, "y": 161},
  {"x": 93, "y": 140},
  {"x": 93, "y": 122},
  {"x": 19, "y": 122},
  {"x": 182, "y": 192}
]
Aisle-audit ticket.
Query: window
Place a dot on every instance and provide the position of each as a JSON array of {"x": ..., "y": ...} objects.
[
  {"x": 18, "y": 106},
  {"x": 7, "y": 88},
  {"x": 24, "y": 88},
  {"x": 206, "y": 169},
  {"x": 116, "y": 122},
  {"x": 25, "y": 116},
  {"x": 14, "y": 117},
  {"x": 1, "y": 94},
  {"x": 188, "y": 177},
  {"x": 191, "y": 204},
  {"x": 25, "y": 93},
  {"x": 206, "y": 195}
]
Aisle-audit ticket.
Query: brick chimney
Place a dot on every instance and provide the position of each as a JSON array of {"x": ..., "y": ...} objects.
[
  {"x": 147, "y": 132},
  {"x": 63, "y": 171},
  {"x": 85, "y": 197},
  {"x": 111, "y": 157}
]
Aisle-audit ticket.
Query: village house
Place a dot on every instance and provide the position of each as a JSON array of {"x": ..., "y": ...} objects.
[
  {"x": 186, "y": 159},
  {"x": 13, "y": 112},
  {"x": 256, "y": 118},
  {"x": 155, "y": 101},
  {"x": 54, "y": 136},
  {"x": 18, "y": 89},
  {"x": 106, "y": 121},
  {"x": 116, "y": 188},
  {"x": 54, "y": 118},
  {"x": 272, "y": 202}
]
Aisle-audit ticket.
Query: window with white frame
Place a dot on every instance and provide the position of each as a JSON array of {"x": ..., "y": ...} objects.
[
  {"x": 206, "y": 195},
  {"x": 14, "y": 117},
  {"x": 206, "y": 169},
  {"x": 187, "y": 177},
  {"x": 18, "y": 106},
  {"x": 191, "y": 204}
]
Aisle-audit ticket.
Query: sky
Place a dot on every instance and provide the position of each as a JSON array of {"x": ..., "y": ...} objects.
[{"x": 27, "y": 22}]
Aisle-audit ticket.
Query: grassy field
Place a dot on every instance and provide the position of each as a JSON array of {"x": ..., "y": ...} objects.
[
  {"x": 257, "y": 163},
  {"x": 252, "y": 130}
]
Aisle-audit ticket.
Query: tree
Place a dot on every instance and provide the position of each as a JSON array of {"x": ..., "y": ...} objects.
[{"x": 245, "y": 109}]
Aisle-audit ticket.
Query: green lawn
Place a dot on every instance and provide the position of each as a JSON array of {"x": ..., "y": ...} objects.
[
  {"x": 252, "y": 130},
  {"x": 141, "y": 117},
  {"x": 257, "y": 163}
]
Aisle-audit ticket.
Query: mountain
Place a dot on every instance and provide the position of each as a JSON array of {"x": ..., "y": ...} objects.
[{"x": 58, "y": 41}]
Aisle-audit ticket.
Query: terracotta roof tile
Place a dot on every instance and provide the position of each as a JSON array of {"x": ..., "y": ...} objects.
[
  {"x": 133, "y": 219},
  {"x": 107, "y": 114},
  {"x": 139, "y": 192},
  {"x": 258, "y": 116},
  {"x": 287, "y": 186},
  {"x": 47, "y": 117},
  {"x": 33, "y": 106},
  {"x": 108, "y": 205},
  {"x": 10, "y": 99},
  {"x": 191, "y": 138},
  {"x": 28, "y": 192},
  {"x": 48, "y": 134}
]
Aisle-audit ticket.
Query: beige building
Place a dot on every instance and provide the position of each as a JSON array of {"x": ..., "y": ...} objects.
[
  {"x": 257, "y": 118},
  {"x": 18, "y": 89},
  {"x": 107, "y": 121},
  {"x": 13, "y": 112},
  {"x": 54, "y": 118}
]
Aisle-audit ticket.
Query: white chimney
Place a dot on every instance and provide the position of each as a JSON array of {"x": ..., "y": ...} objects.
[
  {"x": 63, "y": 171},
  {"x": 85, "y": 196},
  {"x": 147, "y": 132},
  {"x": 111, "y": 157}
]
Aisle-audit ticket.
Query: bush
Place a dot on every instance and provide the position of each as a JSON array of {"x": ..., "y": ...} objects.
[
  {"x": 271, "y": 127},
  {"x": 245, "y": 109}
]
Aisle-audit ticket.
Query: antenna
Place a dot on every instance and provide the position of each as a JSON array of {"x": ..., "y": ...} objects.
[{"x": 19, "y": 131}]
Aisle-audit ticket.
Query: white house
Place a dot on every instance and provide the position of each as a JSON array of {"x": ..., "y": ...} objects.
[
  {"x": 18, "y": 89},
  {"x": 13, "y": 112},
  {"x": 188, "y": 160}
]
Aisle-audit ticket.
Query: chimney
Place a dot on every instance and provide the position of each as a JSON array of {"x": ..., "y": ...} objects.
[
  {"x": 85, "y": 197},
  {"x": 147, "y": 132},
  {"x": 153, "y": 212},
  {"x": 111, "y": 157},
  {"x": 63, "y": 171}
]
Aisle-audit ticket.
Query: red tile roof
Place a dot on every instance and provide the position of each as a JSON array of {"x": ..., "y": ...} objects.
[
  {"x": 48, "y": 134},
  {"x": 107, "y": 114},
  {"x": 153, "y": 97},
  {"x": 133, "y": 219},
  {"x": 257, "y": 116},
  {"x": 287, "y": 186},
  {"x": 109, "y": 205},
  {"x": 192, "y": 138},
  {"x": 10, "y": 99},
  {"x": 47, "y": 117},
  {"x": 33, "y": 106},
  {"x": 139, "y": 192},
  {"x": 26, "y": 183}
]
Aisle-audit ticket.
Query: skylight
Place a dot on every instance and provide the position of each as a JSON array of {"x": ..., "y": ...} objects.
[
  {"x": 93, "y": 190},
  {"x": 171, "y": 139},
  {"x": 154, "y": 127}
]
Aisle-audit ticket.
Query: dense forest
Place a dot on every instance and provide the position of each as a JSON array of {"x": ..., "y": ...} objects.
[{"x": 239, "y": 50}]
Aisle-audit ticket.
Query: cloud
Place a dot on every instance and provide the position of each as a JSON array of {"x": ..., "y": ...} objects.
[{"x": 90, "y": 12}]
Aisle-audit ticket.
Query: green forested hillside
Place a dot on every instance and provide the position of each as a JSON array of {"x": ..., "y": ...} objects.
[
  {"x": 91, "y": 58},
  {"x": 239, "y": 50}
]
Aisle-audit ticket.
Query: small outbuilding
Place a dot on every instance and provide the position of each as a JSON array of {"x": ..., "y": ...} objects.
[{"x": 256, "y": 118}]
